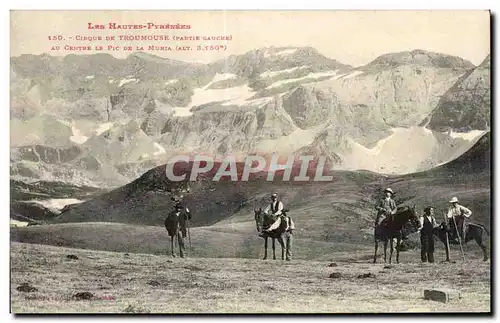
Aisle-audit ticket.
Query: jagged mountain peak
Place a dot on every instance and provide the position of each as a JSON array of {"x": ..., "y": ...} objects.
[{"x": 419, "y": 57}]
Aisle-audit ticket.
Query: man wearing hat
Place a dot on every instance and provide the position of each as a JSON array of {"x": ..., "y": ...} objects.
[
  {"x": 178, "y": 204},
  {"x": 386, "y": 206},
  {"x": 177, "y": 218},
  {"x": 427, "y": 225},
  {"x": 457, "y": 214},
  {"x": 275, "y": 207}
]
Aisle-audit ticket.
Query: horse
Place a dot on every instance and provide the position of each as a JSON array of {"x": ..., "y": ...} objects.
[
  {"x": 173, "y": 224},
  {"x": 405, "y": 219},
  {"x": 473, "y": 231},
  {"x": 263, "y": 222}
]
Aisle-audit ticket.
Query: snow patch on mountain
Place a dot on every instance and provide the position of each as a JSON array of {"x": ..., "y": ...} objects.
[
  {"x": 57, "y": 204},
  {"x": 229, "y": 96},
  {"x": 171, "y": 81},
  {"x": 89, "y": 77},
  {"x": 406, "y": 150},
  {"x": 160, "y": 148},
  {"x": 283, "y": 52},
  {"x": 222, "y": 77},
  {"x": 103, "y": 127},
  {"x": 308, "y": 76},
  {"x": 182, "y": 112},
  {"x": 127, "y": 81},
  {"x": 78, "y": 136},
  {"x": 469, "y": 136},
  {"x": 285, "y": 71},
  {"x": 353, "y": 74}
]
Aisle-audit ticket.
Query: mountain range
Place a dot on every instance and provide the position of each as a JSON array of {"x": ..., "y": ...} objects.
[{"x": 96, "y": 120}]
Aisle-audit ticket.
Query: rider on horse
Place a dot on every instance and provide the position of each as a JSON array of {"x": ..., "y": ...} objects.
[
  {"x": 457, "y": 214},
  {"x": 386, "y": 207},
  {"x": 275, "y": 209}
]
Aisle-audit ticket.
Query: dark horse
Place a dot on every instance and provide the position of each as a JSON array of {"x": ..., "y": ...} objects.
[
  {"x": 473, "y": 231},
  {"x": 405, "y": 220},
  {"x": 263, "y": 222},
  {"x": 174, "y": 226}
]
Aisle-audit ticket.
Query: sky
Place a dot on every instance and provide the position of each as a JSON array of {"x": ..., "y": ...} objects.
[{"x": 351, "y": 37}]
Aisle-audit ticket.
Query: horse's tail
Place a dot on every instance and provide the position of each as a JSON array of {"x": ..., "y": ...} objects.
[{"x": 485, "y": 230}]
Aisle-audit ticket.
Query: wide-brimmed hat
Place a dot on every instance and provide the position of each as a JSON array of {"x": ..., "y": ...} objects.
[
  {"x": 274, "y": 195},
  {"x": 389, "y": 190},
  {"x": 454, "y": 200}
]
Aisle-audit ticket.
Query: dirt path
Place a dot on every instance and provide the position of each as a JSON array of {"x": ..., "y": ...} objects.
[{"x": 148, "y": 283}]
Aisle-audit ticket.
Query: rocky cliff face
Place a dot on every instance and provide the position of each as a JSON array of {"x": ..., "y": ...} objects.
[
  {"x": 125, "y": 116},
  {"x": 466, "y": 105}
]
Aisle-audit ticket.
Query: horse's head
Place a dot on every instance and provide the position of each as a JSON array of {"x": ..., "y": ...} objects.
[
  {"x": 259, "y": 218},
  {"x": 406, "y": 217},
  {"x": 413, "y": 218}
]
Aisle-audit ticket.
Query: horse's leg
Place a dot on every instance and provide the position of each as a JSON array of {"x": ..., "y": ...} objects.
[
  {"x": 391, "y": 245},
  {"x": 385, "y": 250},
  {"x": 479, "y": 240},
  {"x": 265, "y": 248},
  {"x": 172, "y": 245},
  {"x": 398, "y": 244},
  {"x": 274, "y": 249},
  {"x": 282, "y": 243},
  {"x": 376, "y": 248}
]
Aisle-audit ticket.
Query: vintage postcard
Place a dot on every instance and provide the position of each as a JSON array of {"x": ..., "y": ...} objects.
[{"x": 250, "y": 161}]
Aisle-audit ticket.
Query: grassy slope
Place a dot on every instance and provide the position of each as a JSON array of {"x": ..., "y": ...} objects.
[
  {"x": 207, "y": 242},
  {"x": 233, "y": 285},
  {"x": 330, "y": 216}
]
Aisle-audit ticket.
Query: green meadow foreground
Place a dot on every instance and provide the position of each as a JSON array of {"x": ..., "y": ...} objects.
[{"x": 145, "y": 283}]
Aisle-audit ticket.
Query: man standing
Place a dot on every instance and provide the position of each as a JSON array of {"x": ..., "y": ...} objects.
[
  {"x": 386, "y": 206},
  {"x": 457, "y": 214},
  {"x": 427, "y": 225}
]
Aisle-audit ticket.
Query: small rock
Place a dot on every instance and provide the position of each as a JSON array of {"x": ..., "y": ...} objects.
[
  {"x": 332, "y": 265},
  {"x": 73, "y": 257},
  {"x": 335, "y": 275},
  {"x": 83, "y": 296},
  {"x": 388, "y": 267},
  {"x": 443, "y": 295},
  {"x": 153, "y": 283},
  {"x": 368, "y": 275},
  {"x": 126, "y": 255},
  {"x": 27, "y": 288}
]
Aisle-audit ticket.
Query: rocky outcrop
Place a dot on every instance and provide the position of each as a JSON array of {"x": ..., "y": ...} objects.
[
  {"x": 466, "y": 105},
  {"x": 226, "y": 131}
]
